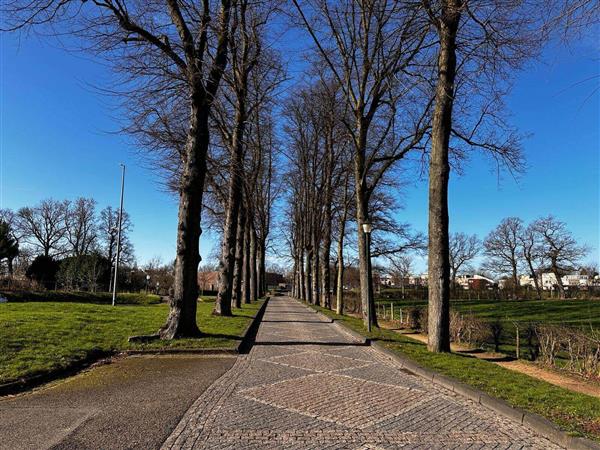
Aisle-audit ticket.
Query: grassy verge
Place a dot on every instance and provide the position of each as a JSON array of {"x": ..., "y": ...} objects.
[
  {"x": 103, "y": 298},
  {"x": 576, "y": 313},
  {"x": 576, "y": 413},
  {"x": 41, "y": 337}
]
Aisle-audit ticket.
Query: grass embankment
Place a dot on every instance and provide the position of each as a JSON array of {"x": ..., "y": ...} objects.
[
  {"x": 577, "y": 313},
  {"x": 580, "y": 314},
  {"x": 41, "y": 337},
  {"x": 101, "y": 298},
  {"x": 576, "y": 413}
]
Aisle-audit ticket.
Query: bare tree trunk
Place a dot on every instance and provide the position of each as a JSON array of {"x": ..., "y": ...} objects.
[
  {"x": 536, "y": 281},
  {"x": 308, "y": 278},
  {"x": 362, "y": 216},
  {"x": 262, "y": 276},
  {"x": 559, "y": 283},
  {"x": 301, "y": 275},
  {"x": 325, "y": 259},
  {"x": 236, "y": 295},
  {"x": 234, "y": 200},
  {"x": 181, "y": 321},
  {"x": 246, "y": 261},
  {"x": 315, "y": 276},
  {"x": 253, "y": 274},
  {"x": 439, "y": 173},
  {"x": 340, "y": 273}
]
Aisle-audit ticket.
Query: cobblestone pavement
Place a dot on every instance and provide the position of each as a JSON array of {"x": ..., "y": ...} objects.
[{"x": 307, "y": 385}]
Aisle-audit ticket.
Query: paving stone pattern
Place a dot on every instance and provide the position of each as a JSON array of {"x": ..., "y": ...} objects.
[{"x": 307, "y": 385}]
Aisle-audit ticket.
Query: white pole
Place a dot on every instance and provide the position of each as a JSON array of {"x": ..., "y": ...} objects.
[{"x": 114, "y": 296}]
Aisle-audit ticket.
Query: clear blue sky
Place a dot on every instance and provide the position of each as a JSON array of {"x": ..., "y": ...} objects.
[{"x": 56, "y": 142}]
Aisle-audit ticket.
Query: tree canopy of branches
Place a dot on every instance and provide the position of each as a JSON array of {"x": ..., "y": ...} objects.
[{"x": 369, "y": 49}]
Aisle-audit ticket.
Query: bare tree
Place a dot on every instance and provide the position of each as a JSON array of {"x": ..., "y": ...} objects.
[
  {"x": 107, "y": 234},
  {"x": 463, "y": 248},
  {"x": 531, "y": 250},
  {"x": 43, "y": 226},
  {"x": 370, "y": 49},
  {"x": 501, "y": 248},
  {"x": 479, "y": 47},
  {"x": 401, "y": 268},
  {"x": 171, "y": 52},
  {"x": 80, "y": 226},
  {"x": 559, "y": 248}
]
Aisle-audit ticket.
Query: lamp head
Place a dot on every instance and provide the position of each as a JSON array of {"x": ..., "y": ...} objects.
[{"x": 367, "y": 227}]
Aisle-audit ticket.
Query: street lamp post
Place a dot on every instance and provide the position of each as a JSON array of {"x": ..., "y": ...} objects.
[
  {"x": 114, "y": 294},
  {"x": 367, "y": 228},
  {"x": 147, "y": 282}
]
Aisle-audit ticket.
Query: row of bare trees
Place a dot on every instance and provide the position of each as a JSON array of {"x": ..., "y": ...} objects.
[
  {"x": 56, "y": 229},
  {"x": 426, "y": 78},
  {"x": 196, "y": 80}
]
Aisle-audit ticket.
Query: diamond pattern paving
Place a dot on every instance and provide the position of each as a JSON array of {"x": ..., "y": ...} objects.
[{"x": 307, "y": 385}]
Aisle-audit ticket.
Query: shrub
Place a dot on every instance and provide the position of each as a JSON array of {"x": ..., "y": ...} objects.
[
  {"x": 43, "y": 270},
  {"x": 580, "y": 349},
  {"x": 414, "y": 318},
  {"x": 496, "y": 330},
  {"x": 467, "y": 329}
]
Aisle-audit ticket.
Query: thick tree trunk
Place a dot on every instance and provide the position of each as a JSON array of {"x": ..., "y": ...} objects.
[
  {"x": 308, "y": 278},
  {"x": 181, "y": 321},
  {"x": 515, "y": 279},
  {"x": 262, "y": 277},
  {"x": 559, "y": 283},
  {"x": 234, "y": 200},
  {"x": 236, "y": 294},
  {"x": 340, "y": 277},
  {"x": 301, "y": 275},
  {"x": 439, "y": 173},
  {"x": 362, "y": 216},
  {"x": 315, "y": 276},
  {"x": 246, "y": 261},
  {"x": 325, "y": 259},
  {"x": 536, "y": 281},
  {"x": 253, "y": 272}
]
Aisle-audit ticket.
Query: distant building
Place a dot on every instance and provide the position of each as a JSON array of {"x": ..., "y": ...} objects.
[
  {"x": 570, "y": 280},
  {"x": 385, "y": 279},
  {"x": 526, "y": 280},
  {"x": 475, "y": 282},
  {"x": 418, "y": 280},
  {"x": 208, "y": 281}
]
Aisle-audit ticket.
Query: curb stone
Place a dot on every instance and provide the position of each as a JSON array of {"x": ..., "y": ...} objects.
[{"x": 539, "y": 424}]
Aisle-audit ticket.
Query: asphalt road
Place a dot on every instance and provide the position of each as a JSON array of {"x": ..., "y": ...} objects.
[{"x": 133, "y": 403}]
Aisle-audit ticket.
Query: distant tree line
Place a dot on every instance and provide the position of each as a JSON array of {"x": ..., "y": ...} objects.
[{"x": 64, "y": 243}]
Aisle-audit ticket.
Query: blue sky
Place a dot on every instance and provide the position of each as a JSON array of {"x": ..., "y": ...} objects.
[{"x": 56, "y": 141}]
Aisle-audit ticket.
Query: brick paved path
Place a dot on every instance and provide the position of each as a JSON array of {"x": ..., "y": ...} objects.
[{"x": 306, "y": 384}]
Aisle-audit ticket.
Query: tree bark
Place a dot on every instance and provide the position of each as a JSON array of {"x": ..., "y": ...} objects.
[
  {"x": 236, "y": 295},
  {"x": 439, "y": 173},
  {"x": 246, "y": 261},
  {"x": 362, "y": 216},
  {"x": 315, "y": 276},
  {"x": 253, "y": 274},
  {"x": 308, "y": 278},
  {"x": 340, "y": 274},
  {"x": 234, "y": 200},
  {"x": 181, "y": 321}
]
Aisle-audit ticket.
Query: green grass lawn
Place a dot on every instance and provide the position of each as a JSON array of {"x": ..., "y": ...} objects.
[
  {"x": 39, "y": 337},
  {"x": 576, "y": 413},
  {"x": 579, "y": 313}
]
